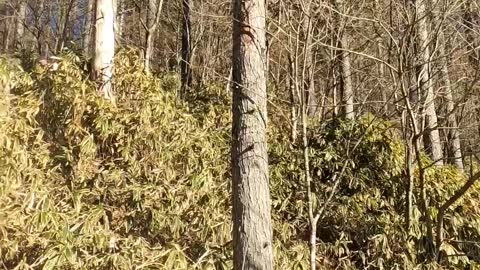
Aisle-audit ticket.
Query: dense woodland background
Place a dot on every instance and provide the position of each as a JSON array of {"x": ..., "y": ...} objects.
[{"x": 373, "y": 131}]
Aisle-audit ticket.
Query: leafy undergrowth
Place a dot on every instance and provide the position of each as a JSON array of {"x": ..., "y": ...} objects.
[
  {"x": 88, "y": 185},
  {"x": 145, "y": 183},
  {"x": 364, "y": 225}
]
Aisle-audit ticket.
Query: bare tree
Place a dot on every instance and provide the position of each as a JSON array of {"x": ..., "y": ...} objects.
[
  {"x": 20, "y": 27},
  {"x": 309, "y": 61},
  {"x": 104, "y": 46},
  {"x": 344, "y": 62},
  {"x": 432, "y": 139},
  {"x": 65, "y": 26},
  {"x": 153, "y": 17},
  {"x": 186, "y": 72},
  {"x": 6, "y": 27},
  {"x": 454, "y": 146},
  {"x": 120, "y": 23},
  {"x": 87, "y": 28},
  {"x": 252, "y": 228}
]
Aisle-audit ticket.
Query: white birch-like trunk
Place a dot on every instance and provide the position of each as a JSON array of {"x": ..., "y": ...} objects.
[{"x": 104, "y": 46}]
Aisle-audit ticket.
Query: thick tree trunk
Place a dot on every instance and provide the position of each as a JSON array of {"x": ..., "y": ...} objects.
[
  {"x": 455, "y": 151},
  {"x": 252, "y": 228},
  {"x": 454, "y": 146},
  {"x": 346, "y": 79},
  {"x": 186, "y": 71},
  {"x": 20, "y": 26},
  {"x": 38, "y": 16},
  {"x": 381, "y": 67},
  {"x": 104, "y": 46},
  {"x": 77, "y": 25},
  {"x": 149, "y": 36},
  {"x": 7, "y": 29},
  {"x": 433, "y": 144},
  {"x": 150, "y": 33},
  {"x": 345, "y": 65},
  {"x": 153, "y": 15},
  {"x": 88, "y": 26}
]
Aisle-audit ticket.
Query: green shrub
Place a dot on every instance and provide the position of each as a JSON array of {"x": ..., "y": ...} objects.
[
  {"x": 145, "y": 183},
  {"x": 119, "y": 186},
  {"x": 364, "y": 225}
]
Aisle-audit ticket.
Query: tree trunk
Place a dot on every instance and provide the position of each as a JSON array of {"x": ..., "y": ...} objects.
[
  {"x": 40, "y": 16},
  {"x": 20, "y": 27},
  {"x": 149, "y": 35},
  {"x": 7, "y": 29},
  {"x": 381, "y": 67},
  {"x": 88, "y": 26},
  {"x": 120, "y": 18},
  {"x": 293, "y": 99},
  {"x": 186, "y": 72},
  {"x": 433, "y": 144},
  {"x": 66, "y": 26},
  {"x": 472, "y": 39},
  {"x": 104, "y": 46},
  {"x": 345, "y": 65},
  {"x": 153, "y": 15},
  {"x": 454, "y": 147},
  {"x": 252, "y": 228},
  {"x": 309, "y": 69}
]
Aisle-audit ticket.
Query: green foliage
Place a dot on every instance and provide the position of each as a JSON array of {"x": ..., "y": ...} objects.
[
  {"x": 361, "y": 226},
  {"x": 144, "y": 183},
  {"x": 364, "y": 224},
  {"x": 461, "y": 222},
  {"x": 90, "y": 185},
  {"x": 368, "y": 148}
]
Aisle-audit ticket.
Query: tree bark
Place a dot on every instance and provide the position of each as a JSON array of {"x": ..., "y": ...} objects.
[
  {"x": 309, "y": 69},
  {"x": 432, "y": 140},
  {"x": 252, "y": 228},
  {"x": 20, "y": 26},
  {"x": 40, "y": 29},
  {"x": 381, "y": 66},
  {"x": 66, "y": 26},
  {"x": 472, "y": 39},
  {"x": 104, "y": 46},
  {"x": 186, "y": 71},
  {"x": 454, "y": 146},
  {"x": 120, "y": 18},
  {"x": 345, "y": 65},
  {"x": 88, "y": 25},
  {"x": 7, "y": 29},
  {"x": 153, "y": 15},
  {"x": 149, "y": 35}
]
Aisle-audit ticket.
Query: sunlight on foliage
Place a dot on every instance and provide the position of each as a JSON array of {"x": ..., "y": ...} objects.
[{"x": 145, "y": 183}]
